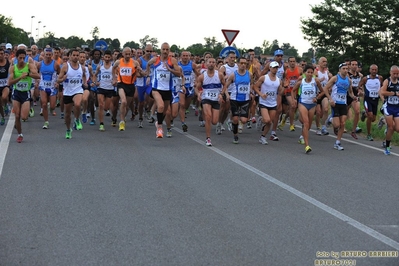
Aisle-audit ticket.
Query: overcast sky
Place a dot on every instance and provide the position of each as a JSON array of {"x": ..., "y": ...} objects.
[{"x": 177, "y": 22}]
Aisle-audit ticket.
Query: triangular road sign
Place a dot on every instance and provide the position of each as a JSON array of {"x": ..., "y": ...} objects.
[{"x": 230, "y": 35}]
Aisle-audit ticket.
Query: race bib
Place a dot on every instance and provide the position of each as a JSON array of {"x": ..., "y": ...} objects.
[
  {"x": 125, "y": 71},
  {"x": 211, "y": 94},
  {"x": 47, "y": 84},
  {"x": 22, "y": 86},
  {"x": 373, "y": 94},
  {"x": 75, "y": 81},
  {"x": 163, "y": 75},
  {"x": 340, "y": 97},
  {"x": 105, "y": 76},
  {"x": 187, "y": 79},
  {"x": 292, "y": 83},
  {"x": 393, "y": 100},
  {"x": 3, "y": 82}
]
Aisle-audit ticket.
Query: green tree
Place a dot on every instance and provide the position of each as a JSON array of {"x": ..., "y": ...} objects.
[
  {"x": 364, "y": 29},
  {"x": 196, "y": 49},
  {"x": 10, "y": 34},
  {"x": 132, "y": 44}
]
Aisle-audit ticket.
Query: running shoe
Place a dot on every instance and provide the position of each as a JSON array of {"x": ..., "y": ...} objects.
[
  {"x": 363, "y": 116},
  {"x": 274, "y": 137},
  {"x": 68, "y": 134},
  {"x": 84, "y": 118},
  {"x": 169, "y": 133},
  {"x": 208, "y": 142},
  {"x": 387, "y": 151},
  {"x": 93, "y": 122},
  {"x": 140, "y": 123},
  {"x": 107, "y": 113},
  {"x": 184, "y": 127},
  {"x": 240, "y": 127},
  {"x": 318, "y": 131},
  {"x": 338, "y": 147},
  {"x": 2, "y": 121},
  {"x": 62, "y": 116},
  {"x": 102, "y": 128},
  {"x": 324, "y": 131},
  {"x": 292, "y": 127},
  {"x": 229, "y": 125},
  {"x": 235, "y": 140},
  {"x": 218, "y": 129},
  {"x": 78, "y": 124},
  {"x": 46, "y": 124},
  {"x": 353, "y": 134},
  {"x": 31, "y": 112},
  {"x": 369, "y": 137},
  {"x": 249, "y": 126},
  {"x": 358, "y": 130},
  {"x": 113, "y": 123},
  {"x": 20, "y": 138},
  {"x": 159, "y": 132},
  {"x": 301, "y": 140},
  {"x": 122, "y": 126},
  {"x": 308, "y": 149},
  {"x": 263, "y": 140}
]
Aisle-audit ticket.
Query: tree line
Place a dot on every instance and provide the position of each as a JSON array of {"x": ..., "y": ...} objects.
[{"x": 365, "y": 30}]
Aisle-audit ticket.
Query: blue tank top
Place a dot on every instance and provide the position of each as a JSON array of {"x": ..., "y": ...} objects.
[
  {"x": 187, "y": 72},
  {"x": 242, "y": 85},
  {"x": 47, "y": 71},
  {"x": 340, "y": 90}
]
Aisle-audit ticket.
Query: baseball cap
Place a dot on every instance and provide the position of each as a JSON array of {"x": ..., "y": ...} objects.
[
  {"x": 274, "y": 64},
  {"x": 278, "y": 52},
  {"x": 8, "y": 46}
]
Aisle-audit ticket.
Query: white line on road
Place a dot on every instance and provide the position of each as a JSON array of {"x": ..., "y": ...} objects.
[
  {"x": 5, "y": 141},
  {"x": 371, "y": 232}
]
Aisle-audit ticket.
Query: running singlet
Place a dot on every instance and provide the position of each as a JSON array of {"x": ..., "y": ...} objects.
[
  {"x": 141, "y": 81},
  {"x": 25, "y": 83},
  {"x": 105, "y": 77},
  {"x": 126, "y": 71},
  {"x": 229, "y": 71},
  {"x": 372, "y": 87},
  {"x": 73, "y": 82},
  {"x": 187, "y": 71},
  {"x": 340, "y": 90},
  {"x": 307, "y": 91},
  {"x": 242, "y": 83},
  {"x": 162, "y": 79},
  {"x": 4, "y": 74},
  {"x": 211, "y": 87},
  {"x": 270, "y": 88},
  {"x": 291, "y": 77},
  {"x": 49, "y": 75}
]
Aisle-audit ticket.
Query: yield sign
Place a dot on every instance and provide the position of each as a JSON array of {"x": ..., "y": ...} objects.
[{"x": 230, "y": 35}]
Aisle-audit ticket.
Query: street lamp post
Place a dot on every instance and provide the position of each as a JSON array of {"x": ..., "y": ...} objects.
[
  {"x": 38, "y": 30},
  {"x": 31, "y": 33},
  {"x": 43, "y": 37}
]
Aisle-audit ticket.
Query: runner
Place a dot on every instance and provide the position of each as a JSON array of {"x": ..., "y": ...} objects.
[
  {"x": 355, "y": 76},
  {"x": 105, "y": 86},
  {"x": 341, "y": 86},
  {"x": 4, "y": 87},
  {"x": 189, "y": 68},
  {"x": 74, "y": 78},
  {"x": 390, "y": 90},
  {"x": 48, "y": 69},
  {"x": 307, "y": 88},
  {"x": 162, "y": 82},
  {"x": 322, "y": 107},
  {"x": 143, "y": 84},
  {"x": 210, "y": 90},
  {"x": 372, "y": 84},
  {"x": 278, "y": 57},
  {"x": 20, "y": 77},
  {"x": 270, "y": 88},
  {"x": 125, "y": 71},
  {"x": 240, "y": 95}
]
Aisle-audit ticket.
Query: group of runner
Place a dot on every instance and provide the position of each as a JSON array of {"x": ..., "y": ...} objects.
[{"x": 227, "y": 91}]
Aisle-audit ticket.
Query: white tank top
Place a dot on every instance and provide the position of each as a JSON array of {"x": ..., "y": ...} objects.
[
  {"x": 229, "y": 71},
  {"x": 73, "y": 82},
  {"x": 211, "y": 87},
  {"x": 270, "y": 88},
  {"x": 321, "y": 75},
  {"x": 105, "y": 78}
]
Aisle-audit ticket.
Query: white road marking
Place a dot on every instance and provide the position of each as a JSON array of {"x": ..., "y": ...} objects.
[
  {"x": 364, "y": 228},
  {"x": 5, "y": 140}
]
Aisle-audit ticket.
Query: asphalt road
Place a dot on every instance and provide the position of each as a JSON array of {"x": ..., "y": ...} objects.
[{"x": 127, "y": 198}]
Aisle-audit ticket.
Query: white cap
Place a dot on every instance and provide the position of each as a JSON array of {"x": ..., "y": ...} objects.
[
  {"x": 22, "y": 46},
  {"x": 8, "y": 46},
  {"x": 274, "y": 64}
]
